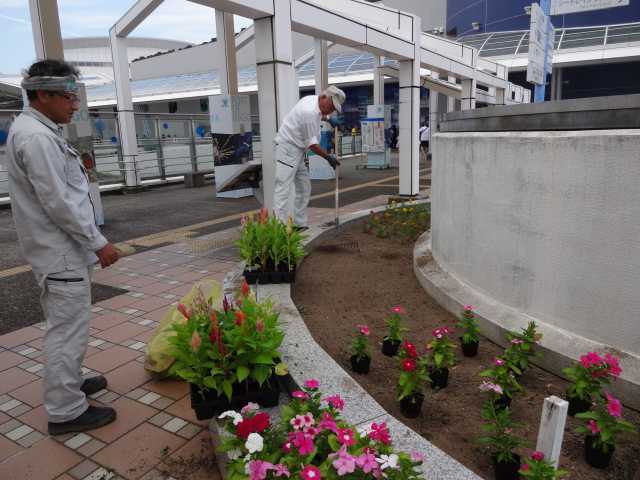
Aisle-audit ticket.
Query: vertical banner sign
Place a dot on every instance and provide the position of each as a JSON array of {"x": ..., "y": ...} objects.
[
  {"x": 537, "y": 46},
  {"x": 562, "y": 7}
]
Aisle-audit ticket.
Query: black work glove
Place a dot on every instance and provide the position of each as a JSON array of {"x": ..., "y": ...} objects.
[{"x": 333, "y": 161}]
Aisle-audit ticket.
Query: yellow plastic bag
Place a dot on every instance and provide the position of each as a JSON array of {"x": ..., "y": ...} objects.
[{"x": 158, "y": 359}]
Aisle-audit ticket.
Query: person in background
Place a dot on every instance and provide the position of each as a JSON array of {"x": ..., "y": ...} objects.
[
  {"x": 299, "y": 132},
  {"x": 58, "y": 236},
  {"x": 393, "y": 137},
  {"x": 425, "y": 132}
]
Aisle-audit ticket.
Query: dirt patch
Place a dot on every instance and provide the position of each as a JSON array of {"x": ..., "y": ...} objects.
[{"x": 339, "y": 289}]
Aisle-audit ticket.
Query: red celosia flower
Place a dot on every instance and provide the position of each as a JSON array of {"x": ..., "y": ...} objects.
[
  {"x": 183, "y": 310},
  {"x": 264, "y": 215},
  {"x": 213, "y": 336},
  {"x": 240, "y": 317},
  {"x": 225, "y": 304},
  {"x": 245, "y": 288},
  {"x": 259, "y": 326},
  {"x": 408, "y": 364}
]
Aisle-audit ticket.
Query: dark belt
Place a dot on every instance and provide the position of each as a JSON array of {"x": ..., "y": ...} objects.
[
  {"x": 283, "y": 163},
  {"x": 73, "y": 279}
]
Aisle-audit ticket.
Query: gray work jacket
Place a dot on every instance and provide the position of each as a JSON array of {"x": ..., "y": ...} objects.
[{"x": 50, "y": 201}]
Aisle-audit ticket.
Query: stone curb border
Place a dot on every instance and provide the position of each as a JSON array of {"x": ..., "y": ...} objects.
[
  {"x": 307, "y": 359},
  {"x": 559, "y": 347}
]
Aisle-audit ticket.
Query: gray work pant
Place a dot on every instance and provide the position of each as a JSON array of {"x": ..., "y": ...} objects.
[
  {"x": 66, "y": 302},
  {"x": 292, "y": 189}
]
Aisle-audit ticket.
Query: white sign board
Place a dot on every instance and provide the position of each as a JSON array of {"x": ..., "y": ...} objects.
[
  {"x": 537, "y": 44},
  {"x": 561, "y": 7}
]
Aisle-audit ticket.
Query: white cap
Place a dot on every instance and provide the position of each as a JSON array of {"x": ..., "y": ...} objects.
[{"x": 337, "y": 96}]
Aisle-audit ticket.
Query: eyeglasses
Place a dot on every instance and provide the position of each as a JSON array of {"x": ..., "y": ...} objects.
[{"x": 72, "y": 97}]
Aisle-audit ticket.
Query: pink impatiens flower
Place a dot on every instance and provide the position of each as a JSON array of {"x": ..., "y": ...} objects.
[
  {"x": 312, "y": 384},
  {"x": 258, "y": 469},
  {"x": 345, "y": 463},
  {"x": 468, "y": 308},
  {"x": 614, "y": 406},
  {"x": 281, "y": 470},
  {"x": 613, "y": 363},
  {"x": 304, "y": 443},
  {"x": 537, "y": 456},
  {"x": 398, "y": 309},
  {"x": 417, "y": 456},
  {"x": 498, "y": 361},
  {"x": 367, "y": 462},
  {"x": 335, "y": 401},
  {"x": 364, "y": 330},
  {"x": 345, "y": 436},
  {"x": 486, "y": 386},
  {"x": 328, "y": 423},
  {"x": 310, "y": 472},
  {"x": 590, "y": 359},
  {"x": 408, "y": 364},
  {"x": 300, "y": 395},
  {"x": 593, "y": 425},
  {"x": 297, "y": 422},
  {"x": 516, "y": 341},
  {"x": 524, "y": 467},
  {"x": 380, "y": 433}
]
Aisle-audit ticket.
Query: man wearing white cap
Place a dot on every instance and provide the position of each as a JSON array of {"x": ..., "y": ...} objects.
[{"x": 300, "y": 132}]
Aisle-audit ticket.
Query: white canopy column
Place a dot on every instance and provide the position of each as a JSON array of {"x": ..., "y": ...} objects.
[
  {"x": 126, "y": 119},
  {"x": 228, "y": 71},
  {"x": 409, "y": 85},
  {"x": 277, "y": 84},
  {"x": 321, "y": 60},
  {"x": 378, "y": 81},
  {"x": 433, "y": 108},
  {"x": 45, "y": 25}
]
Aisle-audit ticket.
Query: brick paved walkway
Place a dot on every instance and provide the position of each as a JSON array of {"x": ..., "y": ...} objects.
[{"x": 156, "y": 435}]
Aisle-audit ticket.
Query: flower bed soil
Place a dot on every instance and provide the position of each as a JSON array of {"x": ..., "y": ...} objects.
[{"x": 339, "y": 288}]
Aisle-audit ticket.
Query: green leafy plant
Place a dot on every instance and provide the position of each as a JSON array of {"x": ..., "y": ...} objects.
[
  {"x": 441, "y": 350},
  {"x": 360, "y": 344},
  {"x": 538, "y": 468},
  {"x": 499, "y": 437},
  {"x": 413, "y": 371},
  {"x": 394, "y": 324},
  {"x": 590, "y": 374},
  {"x": 521, "y": 348},
  {"x": 469, "y": 326},
  {"x": 311, "y": 441},
  {"x": 604, "y": 423},
  {"x": 406, "y": 220},
  {"x": 265, "y": 242},
  {"x": 502, "y": 376},
  {"x": 216, "y": 349}
]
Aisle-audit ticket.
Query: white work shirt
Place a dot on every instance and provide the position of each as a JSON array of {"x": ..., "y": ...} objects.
[
  {"x": 301, "y": 126},
  {"x": 50, "y": 201},
  {"x": 424, "y": 134}
]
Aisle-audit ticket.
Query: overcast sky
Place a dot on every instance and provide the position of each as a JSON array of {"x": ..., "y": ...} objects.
[{"x": 174, "y": 19}]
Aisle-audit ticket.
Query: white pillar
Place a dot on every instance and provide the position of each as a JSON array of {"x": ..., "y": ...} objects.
[
  {"x": 228, "y": 72},
  {"x": 468, "y": 97},
  {"x": 551, "y": 432},
  {"x": 451, "y": 101},
  {"x": 321, "y": 61},
  {"x": 433, "y": 109},
  {"x": 500, "y": 96},
  {"x": 45, "y": 25},
  {"x": 277, "y": 86},
  {"x": 409, "y": 85},
  {"x": 378, "y": 81},
  {"x": 126, "y": 119}
]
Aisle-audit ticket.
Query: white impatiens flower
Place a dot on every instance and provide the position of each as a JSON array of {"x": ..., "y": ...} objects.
[
  {"x": 234, "y": 454},
  {"x": 388, "y": 461},
  {"x": 254, "y": 443},
  {"x": 250, "y": 407},
  {"x": 237, "y": 418}
]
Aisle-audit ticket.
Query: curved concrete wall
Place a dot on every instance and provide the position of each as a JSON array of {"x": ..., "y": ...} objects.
[{"x": 547, "y": 223}]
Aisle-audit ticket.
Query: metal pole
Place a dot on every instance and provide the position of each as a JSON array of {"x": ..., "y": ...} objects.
[
  {"x": 192, "y": 147},
  {"x": 337, "y": 191},
  {"x": 159, "y": 152}
]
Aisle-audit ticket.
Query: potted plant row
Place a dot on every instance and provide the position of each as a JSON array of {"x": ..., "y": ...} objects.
[
  {"x": 470, "y": 338},
  {"x": 441, "y": 356},
  {"x": 270, "y": 249},
  {"x": 360, "y": 357},
  {"x": 392, "y": 340},
  {"x": 311, "y": 441},
  {"x": 414, "y": 375},
  {"x": 229, "y": 357}
]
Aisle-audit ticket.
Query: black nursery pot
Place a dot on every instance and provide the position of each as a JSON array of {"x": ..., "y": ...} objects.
[
  {"x": 469, "y": 349},
  {"x": 251, "y": 276},
  {"x": 578, "y": 405},
  {"x": 360, "y": 364},
  {"x": 506, "y": 470},
  {"x": 267, "y": 395},
  {"x": 502, "y": 402},
  {"x": 594, "y": 456},
  {"x": 411, "y": 405},
  {"x": 439, "y": 378},
  {"x": 208, "y": 403},
  {"x": 390, "y": 347}
]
